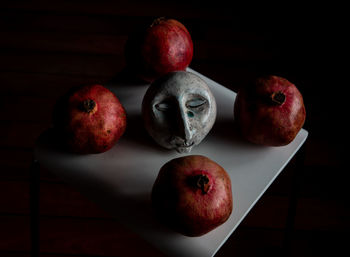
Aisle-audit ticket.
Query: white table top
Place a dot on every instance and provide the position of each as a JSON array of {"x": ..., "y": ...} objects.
[{"x": 120, "y": 180}]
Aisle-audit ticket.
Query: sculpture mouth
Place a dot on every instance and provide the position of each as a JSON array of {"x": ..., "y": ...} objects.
[
  {"x": 184, "y": 148},
  {"x": 190, "y": 144},
  {"x": 181, "y": 145}
]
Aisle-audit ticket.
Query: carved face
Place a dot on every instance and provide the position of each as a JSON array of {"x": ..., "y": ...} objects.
[{"x": 179, "y": 110}]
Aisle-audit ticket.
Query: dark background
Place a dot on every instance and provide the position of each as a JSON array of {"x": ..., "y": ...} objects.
[{"x": 46, "y": 47}]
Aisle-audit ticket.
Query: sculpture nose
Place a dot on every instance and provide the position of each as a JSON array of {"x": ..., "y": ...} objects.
[{"x": 184, "y": 128}]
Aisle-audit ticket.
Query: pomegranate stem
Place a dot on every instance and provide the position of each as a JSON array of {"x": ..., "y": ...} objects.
[
  {"x": 278, "y": 97},
  {"x": 88, "y": 105},
  {"x": 157, "y": 21},
  {"x": 202, "y": 182}
]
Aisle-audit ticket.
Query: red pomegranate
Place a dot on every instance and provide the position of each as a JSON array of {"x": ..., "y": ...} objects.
[
  {"x": 270, "y": 112},
  {"x": 164, "y": 46},
  {"x": 90, "y": 119},
  {"x": 192, "y": 195}
]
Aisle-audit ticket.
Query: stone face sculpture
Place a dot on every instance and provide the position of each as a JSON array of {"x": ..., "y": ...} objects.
[{"x": 179, "y": 110}]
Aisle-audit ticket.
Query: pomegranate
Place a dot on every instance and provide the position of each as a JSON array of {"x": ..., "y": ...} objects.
[
  {"x": 90, "y": 119},
  {"x": 270, "y": 112},
  {"x": 164, "y": 46},
  {"x": 192, "y": 195}
]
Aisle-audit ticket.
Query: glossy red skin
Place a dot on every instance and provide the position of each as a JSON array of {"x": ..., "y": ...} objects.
[
  {"x": 167, "y": 46},
  {"x": 183, "y": 206},
  {"x": 265, "y": 123},
  {"x": 93, "y": 132}
]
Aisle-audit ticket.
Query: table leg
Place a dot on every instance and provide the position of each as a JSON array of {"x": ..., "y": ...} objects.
[
  {"x": 298, "y": 170},
  {"x": 34, "y": 207}
]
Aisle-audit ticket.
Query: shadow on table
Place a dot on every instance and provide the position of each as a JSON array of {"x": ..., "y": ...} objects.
[{"x": 134, "y": 208}]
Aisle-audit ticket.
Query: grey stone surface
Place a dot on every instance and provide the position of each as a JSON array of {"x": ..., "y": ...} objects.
[{"x": 179, "y": 110}]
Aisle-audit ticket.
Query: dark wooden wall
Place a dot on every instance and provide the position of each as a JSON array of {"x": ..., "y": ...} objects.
[{"x": 48, "y": 46}]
